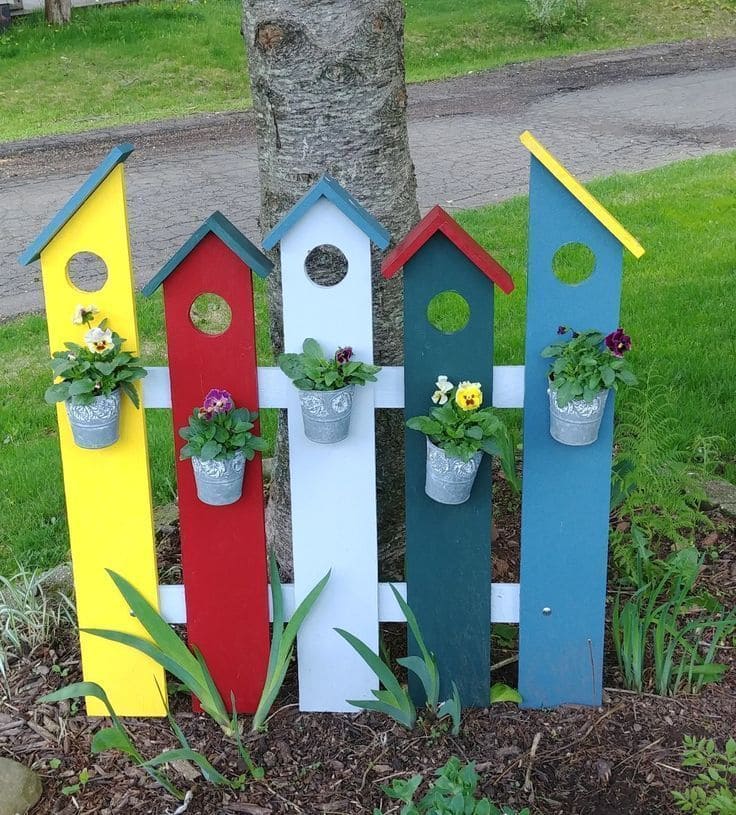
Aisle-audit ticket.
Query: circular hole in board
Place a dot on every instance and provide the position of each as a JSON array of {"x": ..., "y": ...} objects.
[
  {"x": 448, "y": 312},
  {"x": 326, "y": 265},
  {"x": 210, "y": 314},
  {"x": 87, "y": 271},
  {"x": 573, "y": 263}
]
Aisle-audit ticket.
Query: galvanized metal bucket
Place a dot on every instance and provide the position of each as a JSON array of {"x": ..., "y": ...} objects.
[
  {"x": 219, "y": 483},
  {"x": 577, "y": 423},
  {"x": 97, "y": 424},
  {"x": 326, "y": 414},
  {"x": 449, "y": 480}
]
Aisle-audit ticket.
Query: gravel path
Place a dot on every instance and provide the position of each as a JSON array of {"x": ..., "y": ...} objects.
[{"x": 599, "y": 113}]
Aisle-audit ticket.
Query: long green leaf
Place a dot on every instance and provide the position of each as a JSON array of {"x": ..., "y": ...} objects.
[
  {"x": 209, "y": 772},
  {"x": 431, "y": 682},
  {"x": 160, "y": 631},
  {"x": 402, "y": 716},
  {"x": 385, "y": 677},
  {"x": 282, "y": 640},
  {"x": 194, "y": 683}
]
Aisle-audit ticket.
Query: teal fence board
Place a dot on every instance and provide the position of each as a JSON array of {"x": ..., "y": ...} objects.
[
  {"x": 566, "y": 490},
  {"x": 448, "y": 548}
]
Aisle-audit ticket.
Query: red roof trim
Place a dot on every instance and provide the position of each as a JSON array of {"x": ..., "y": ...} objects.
[{"x": 437, "y": 220}]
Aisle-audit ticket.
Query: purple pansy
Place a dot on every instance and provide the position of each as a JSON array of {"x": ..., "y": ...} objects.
[
  {"x": 562, "y": 329},
  {"x": 618, "y": 343},
  {"x": 218, "y": 401},
  {"x": 343, "y": 355}
]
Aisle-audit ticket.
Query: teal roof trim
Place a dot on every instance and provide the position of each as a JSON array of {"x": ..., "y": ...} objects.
[
  {"x": 116, "y": 156},
  {"x": 230, "y": 235},
  {"x": 330, "y": 189}
]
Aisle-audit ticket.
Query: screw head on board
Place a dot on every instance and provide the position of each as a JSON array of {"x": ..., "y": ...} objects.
[{"x": 546, "y": 611}]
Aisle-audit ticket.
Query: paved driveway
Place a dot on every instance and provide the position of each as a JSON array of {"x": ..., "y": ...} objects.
[{"x": 627, "y": 110}]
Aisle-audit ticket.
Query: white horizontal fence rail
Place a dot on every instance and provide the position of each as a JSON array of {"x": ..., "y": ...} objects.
[
  {"x": 504, "y": 603},
  {"x": 274, "y": 387}
]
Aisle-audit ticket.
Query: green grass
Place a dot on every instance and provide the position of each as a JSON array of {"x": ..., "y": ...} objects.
[
  {"x": 162, "y": 58},
  {"x": 678, "y": 305}
]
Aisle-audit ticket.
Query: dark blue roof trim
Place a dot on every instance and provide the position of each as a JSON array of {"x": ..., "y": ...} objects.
[
  {"x": 332, "y": 191},
  {"x": 116, "y": 156},
  {"x": 232, "y": 237}
]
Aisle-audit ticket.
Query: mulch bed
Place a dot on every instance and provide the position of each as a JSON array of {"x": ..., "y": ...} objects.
[{"x": 622, "y": 758}]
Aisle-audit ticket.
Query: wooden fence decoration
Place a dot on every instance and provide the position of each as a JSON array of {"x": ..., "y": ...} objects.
[
  {"x": 224, "y": 600},
  {"x": 448, "y": 548},
  {"x": 110, "y": 527},
  {"x": 223, "y": 549}
]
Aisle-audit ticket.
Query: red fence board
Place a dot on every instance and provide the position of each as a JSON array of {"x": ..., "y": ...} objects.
[{"x": 223, "y": 548}]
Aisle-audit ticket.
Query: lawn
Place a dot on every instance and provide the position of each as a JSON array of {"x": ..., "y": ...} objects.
[
  {"x": 678, "y": 305},
  {"x": 163, "y": 58}
]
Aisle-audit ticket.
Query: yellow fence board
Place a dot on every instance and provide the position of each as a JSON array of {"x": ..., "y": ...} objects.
[{"x": 108, "y": 492}]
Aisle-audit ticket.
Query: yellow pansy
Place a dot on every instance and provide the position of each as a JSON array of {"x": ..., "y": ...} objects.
[{"x": 469, "y": 395}]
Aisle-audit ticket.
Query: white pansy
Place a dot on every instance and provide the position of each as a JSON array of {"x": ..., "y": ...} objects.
[
  {"x": 98, "y": 341},
  {"x": 439, "y": 398},
  {"x": 443, "y": 385},
  {"x": 83, "y": 314}
]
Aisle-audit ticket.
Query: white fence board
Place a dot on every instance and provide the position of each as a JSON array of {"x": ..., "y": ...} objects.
[
  {"x": 275, "y": 389},
  {"x": 333, "y": 486},
  {"x": 504, "y": 603}
]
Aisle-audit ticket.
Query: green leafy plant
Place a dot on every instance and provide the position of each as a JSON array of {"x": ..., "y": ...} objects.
[
  {"x": 454, "y": 791},
  {"x": 462, "y": 428},
  {"x": 312, "y": 371},
  {"x": 669, "y": 623},
  {"x": 189, "y": 667},
  {"x": 97, "y": 368},
  {"x": 168, "y": 650},
  {"x": 282, "y": 640},
  {"x": 393, "y": 699},
  {"x": 588, "y": 363},
  {"x": 114, "y": 737},
  {"x": 554, "y": 16},
  {"x": 656, "y": 487},
  {"x": 218, "y": 430},
  {"x": 504, "y": 693},
  {"x": 713, "y": 790},
  {"x": 30, "y": 615}
]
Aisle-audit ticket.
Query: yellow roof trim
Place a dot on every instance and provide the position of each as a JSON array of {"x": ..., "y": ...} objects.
[{"x": 578, "y": 190}]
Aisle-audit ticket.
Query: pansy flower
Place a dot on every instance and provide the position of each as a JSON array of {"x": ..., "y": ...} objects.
[
  {"x": 469, "y": 395},
  {"x": 218, "y": 401},
  {"x": 83, "y": 315},
  {"x": 343, "y": 355},
  {"x": 618, "y": 343},
  {"x": 441, "y": 395},
  {"x": 99, "y": 341}
]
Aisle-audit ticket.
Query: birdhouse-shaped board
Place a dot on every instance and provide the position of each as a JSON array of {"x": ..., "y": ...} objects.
[
  {"x": 565, "y": 512},
  {"x": 448, "y": 557},
  {"x": 108, "y": 491},
  {"x": 223, "y": 547},
  {"x": 333, "y": 487}
]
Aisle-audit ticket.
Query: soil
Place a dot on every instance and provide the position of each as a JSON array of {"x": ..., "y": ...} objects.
[{"x": 622, "y": 758}]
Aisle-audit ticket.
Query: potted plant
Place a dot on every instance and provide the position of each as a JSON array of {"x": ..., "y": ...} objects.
[
  {"x": 326, "y": 388},
  {"x": 458, "y": 432},
  {"x": 219, "y": 442},
  {"x": 587, "y": 365},
  {"x": 91, "y": 379}
]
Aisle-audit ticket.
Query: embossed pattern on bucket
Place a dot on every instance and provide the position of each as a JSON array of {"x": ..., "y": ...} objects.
[
  {"x": 97, "y": 424},
  {"x": 449, "y": 480},
  {"x": 219, "y": 482},
  {"x": 326, "y": 414},
  {"x": 578, "y": 423}
]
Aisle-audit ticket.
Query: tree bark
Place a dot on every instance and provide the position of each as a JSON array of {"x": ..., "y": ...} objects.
[
  {"x": 58, "y": 12},
  {"x": 327, "y": 80}
]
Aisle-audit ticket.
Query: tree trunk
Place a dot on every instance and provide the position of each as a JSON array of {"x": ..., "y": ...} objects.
[
  {"x": 327, "y": 79},
  {"x": 58, "y": 12}
]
